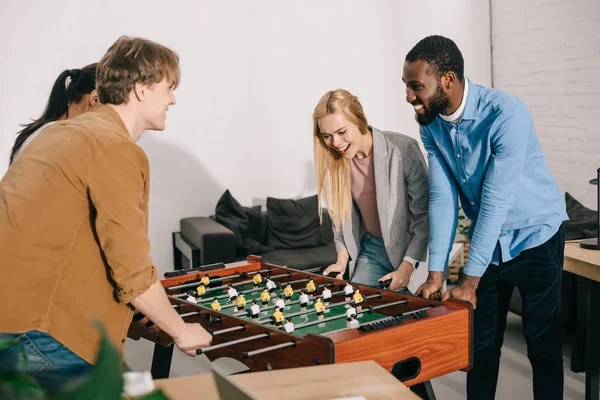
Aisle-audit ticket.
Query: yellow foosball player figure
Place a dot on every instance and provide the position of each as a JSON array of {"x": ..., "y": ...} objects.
[
  {"x": 320, "y": 307},
  {"x": 215, "y": 305},
  {"x": 201, "y": 290},
  {"x": 310, "y": 287},
  {"x": 288, "y": 292},
  {"x": 257, "y": 279},
  {"x": 278, "y": 317},
  {"x": 205, "y": 280},
  {"x": 241, "y": 302},
  {"x": 265, "y": 296},
  {"x": 358, "y": 299}
]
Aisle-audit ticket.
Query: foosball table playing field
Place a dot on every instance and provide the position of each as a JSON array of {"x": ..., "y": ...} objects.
[{"x": 272, "y": 317}]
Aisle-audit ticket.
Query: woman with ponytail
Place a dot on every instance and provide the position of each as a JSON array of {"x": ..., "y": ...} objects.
[
  {"x": 376, "y": 189},
  {"x": 74, "y": 92}
]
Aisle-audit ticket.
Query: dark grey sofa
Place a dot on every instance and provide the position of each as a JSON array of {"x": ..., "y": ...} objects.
[{"x": 202, "y": 240}]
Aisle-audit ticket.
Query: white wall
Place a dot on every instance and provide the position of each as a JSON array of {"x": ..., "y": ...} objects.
[
  {"x": 547, "y": 52},
  {"x": 252, "y": 74}
]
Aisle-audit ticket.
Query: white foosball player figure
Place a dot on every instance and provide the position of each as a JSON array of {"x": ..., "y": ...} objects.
[
  {"x": 232, "y": 293},
  {"x": 326, "y": 294},
  {"x": 350, "y": 314},
  {"x": 303, "y": 300},
  {"x": 289, "y": 325},
  {"x": 348, "y": 291},
  {"x": 254, "y": 310},
  {"x": 191, "y": 298},
  {"x": 353, "y": 323},
  {"x": 280, "y": 302},
  {"x": 271, "y": 286}
]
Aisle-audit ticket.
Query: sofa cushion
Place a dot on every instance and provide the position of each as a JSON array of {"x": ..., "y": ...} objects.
[
  {"x": 240, "y": 220},
  {"x": 303, "y": 258},
  {"x": 293, "y": 224},
  {"x": 582, "y": 223}
]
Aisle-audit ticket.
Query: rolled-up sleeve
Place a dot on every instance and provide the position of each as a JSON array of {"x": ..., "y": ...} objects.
[{"x": 117, "y": 189}]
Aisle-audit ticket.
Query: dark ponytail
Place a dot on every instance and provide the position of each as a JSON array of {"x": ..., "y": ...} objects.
[{"x": 82, "y": 82}]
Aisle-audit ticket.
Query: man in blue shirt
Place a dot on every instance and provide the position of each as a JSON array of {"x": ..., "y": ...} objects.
[{"x": 482, "y": 147}]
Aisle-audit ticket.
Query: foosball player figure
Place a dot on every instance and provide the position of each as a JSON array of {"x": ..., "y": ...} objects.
[
  {"x": 289, "y": 325},
  {"x": 310, "y": 287},
  {"x": 201, "y": 290},
  {"x": 320, "y": 307},
  {"x": 205, "y": 280},
  {"x": 257, "y": 279},
  {"x": 279, "y": 302},
  {"x": 289, "y": 292},
  {"x": 254, "y": 310},
  {"x": 278, "y": 317},
  {"x": 303, "y": 300},
  {"x": 232, "y": 293},
  {"x": 241, "y": 302},
  {"x": 191, "y": 298},
  {"x": 215, "y": 305},
  {"x": 272, "y": 286},
  {"x": 353, "y": 323},
  {"x": 326, "y": 295},
  {"x": 348, "y": 291},
  {"x": 265, "y": 297},
  {"x": 350, "y": 313},
  {"x": 358, "y": 299}
]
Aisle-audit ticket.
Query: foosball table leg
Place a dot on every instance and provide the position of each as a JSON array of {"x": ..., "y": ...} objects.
[
  {"x": 424, "y": 390},
  {"x": 161, "y": 361}
]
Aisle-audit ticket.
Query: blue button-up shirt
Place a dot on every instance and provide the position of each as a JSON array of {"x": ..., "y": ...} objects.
[{"x": 493, "y": 159}]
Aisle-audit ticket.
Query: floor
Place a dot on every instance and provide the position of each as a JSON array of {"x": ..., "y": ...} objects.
[{"x": 514, "y": 382}]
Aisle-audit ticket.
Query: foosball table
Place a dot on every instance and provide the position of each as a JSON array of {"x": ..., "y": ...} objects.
[{"x": 272, "y": 317}]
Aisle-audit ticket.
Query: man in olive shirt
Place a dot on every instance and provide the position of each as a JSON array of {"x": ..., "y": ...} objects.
[{"x": 74, "y": 222}]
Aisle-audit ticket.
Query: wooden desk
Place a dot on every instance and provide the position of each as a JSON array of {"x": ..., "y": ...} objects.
[
  {"x": 586, "y": 264},
  {"x": 364, "y": 378}
]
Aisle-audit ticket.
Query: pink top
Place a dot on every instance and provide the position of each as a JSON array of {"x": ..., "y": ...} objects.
[{"x": 364, "y": 194}]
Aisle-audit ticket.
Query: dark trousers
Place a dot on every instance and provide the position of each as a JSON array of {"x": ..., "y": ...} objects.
[{"x": 537, "y": 274}]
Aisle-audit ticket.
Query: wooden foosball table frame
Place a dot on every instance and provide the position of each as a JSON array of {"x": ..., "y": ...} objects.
[{"x": 427, "y": 338}]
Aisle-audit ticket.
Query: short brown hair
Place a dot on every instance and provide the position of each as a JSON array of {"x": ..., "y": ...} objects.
[{"x": 134, "y": 60}]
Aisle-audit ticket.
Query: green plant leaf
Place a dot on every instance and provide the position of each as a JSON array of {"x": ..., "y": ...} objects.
[
  {"x": 19, "y": 385},
  {"x": 105, "y": 381},
  {"x": 157, "y": 395}
]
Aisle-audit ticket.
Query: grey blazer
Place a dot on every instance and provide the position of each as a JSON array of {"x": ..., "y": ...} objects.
[{"x": 402, "y": 190}]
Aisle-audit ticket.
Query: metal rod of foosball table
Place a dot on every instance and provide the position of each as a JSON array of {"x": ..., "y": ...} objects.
[
  {"x": 212, "y": 289},
  {"x": 189, "y": 314},
  {"x": 240, "y": 313},
  {"x": 369, "y": 310},
  {"x": 241, "y": 327},
  {"x": 375, "y": 321},
  {"x": 316, "y": 269},
  {"x": 248, "y": 354},
  {"x": 197, "y": 283},
  {"x": 231, "y": 343},
  {"x": 332, "y": 305}
]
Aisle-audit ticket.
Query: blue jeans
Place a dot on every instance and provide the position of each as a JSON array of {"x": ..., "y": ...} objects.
[
  {"x": 372, "y": 262},
  {"x": 537, "y": 273},
  {"x": 49, "y": 362}
]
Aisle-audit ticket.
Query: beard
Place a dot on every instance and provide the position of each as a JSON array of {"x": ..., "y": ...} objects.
[{"x": 437, "y": 104}]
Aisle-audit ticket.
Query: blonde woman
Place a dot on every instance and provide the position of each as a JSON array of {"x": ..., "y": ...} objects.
[{"x": 376, "y": 189}]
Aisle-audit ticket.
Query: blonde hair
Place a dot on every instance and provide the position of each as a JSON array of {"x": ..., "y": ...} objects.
[
  {"x": 134, "y": 60},
  {"x": 333, "y": 170}
]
